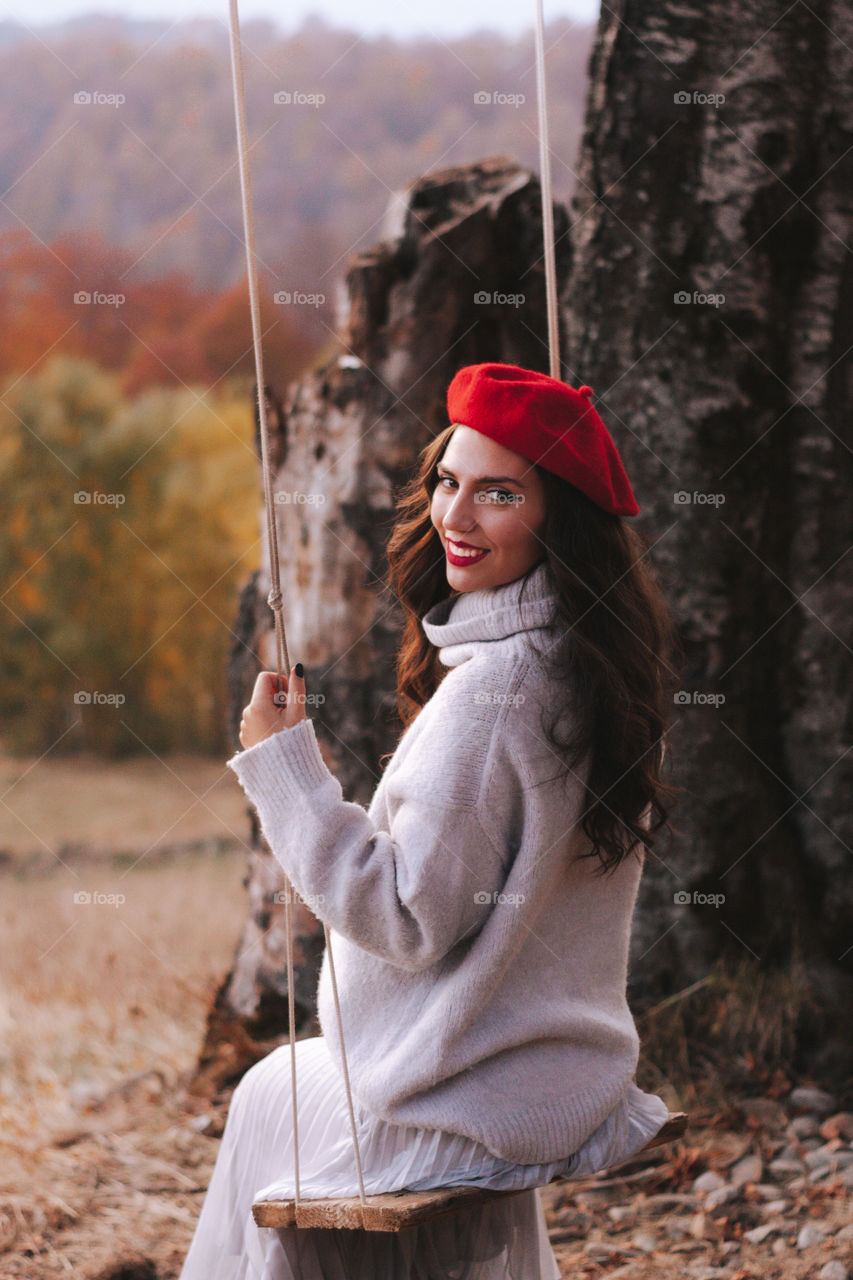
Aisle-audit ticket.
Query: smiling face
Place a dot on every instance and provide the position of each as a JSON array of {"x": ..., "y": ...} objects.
[{"x": 490, "y": 499}]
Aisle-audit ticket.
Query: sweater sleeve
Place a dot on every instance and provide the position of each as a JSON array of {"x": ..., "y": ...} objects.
[{"x": 407, "y": 895}]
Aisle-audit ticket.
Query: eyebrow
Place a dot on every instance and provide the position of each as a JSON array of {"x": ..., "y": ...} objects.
[{"x": 484, "y": 479}]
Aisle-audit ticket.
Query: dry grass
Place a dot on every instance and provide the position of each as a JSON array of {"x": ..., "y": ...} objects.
[
  {"x": 94, "y": 993},
  {"x": 51, "y": 803}
]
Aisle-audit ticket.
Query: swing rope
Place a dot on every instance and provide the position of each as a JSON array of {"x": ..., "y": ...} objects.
[{"x": 275, "y": 598}]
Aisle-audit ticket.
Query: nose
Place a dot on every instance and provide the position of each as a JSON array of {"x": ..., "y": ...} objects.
[{"x": 459, "y": 516}]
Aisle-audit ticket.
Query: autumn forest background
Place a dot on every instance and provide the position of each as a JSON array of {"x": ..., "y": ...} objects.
[{"x": 128, "y": 477}]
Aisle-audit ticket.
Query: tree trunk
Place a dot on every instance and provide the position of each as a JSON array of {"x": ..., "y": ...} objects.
[{"x": 712, "y": 311}]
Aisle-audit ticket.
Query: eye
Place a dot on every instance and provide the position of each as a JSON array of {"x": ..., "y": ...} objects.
[{"x": 504, "y": 495}]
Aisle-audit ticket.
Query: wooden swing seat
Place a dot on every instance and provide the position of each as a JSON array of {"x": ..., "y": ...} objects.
[{"x": 397, "y": 1210}]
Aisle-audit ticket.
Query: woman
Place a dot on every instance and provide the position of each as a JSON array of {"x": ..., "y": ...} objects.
[{"x": 481, "y": 907}]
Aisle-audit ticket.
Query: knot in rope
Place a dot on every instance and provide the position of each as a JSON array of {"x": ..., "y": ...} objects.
[{"x": 274, "y": 599}]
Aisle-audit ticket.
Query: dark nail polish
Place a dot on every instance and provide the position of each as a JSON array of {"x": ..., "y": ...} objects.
[{"x": 299, "y": 669}]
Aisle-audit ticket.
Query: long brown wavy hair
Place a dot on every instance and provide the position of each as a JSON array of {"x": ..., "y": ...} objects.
[{"x": 614, "y": 656}]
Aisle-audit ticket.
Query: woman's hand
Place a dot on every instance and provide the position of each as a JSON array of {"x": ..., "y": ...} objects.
[{"x": 262, "y": 718}]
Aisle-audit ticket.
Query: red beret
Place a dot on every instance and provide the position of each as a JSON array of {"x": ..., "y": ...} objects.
[{"x": 547, "y": 422}]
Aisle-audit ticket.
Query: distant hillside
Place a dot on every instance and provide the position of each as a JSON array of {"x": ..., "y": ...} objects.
[{"x": 126, "y": 129}]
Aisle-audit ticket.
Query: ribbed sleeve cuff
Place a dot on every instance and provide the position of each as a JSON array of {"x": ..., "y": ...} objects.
[{"x": 286, "y": 765}]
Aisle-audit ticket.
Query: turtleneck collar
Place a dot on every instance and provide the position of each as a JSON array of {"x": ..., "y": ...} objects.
[{"x": 492, "y": 613}]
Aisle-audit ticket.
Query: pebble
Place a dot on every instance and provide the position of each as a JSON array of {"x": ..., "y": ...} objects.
[
  {"x": 621, "y": 1212},
  {"x": 778, "y": 1247},
  {"x": 776, "y": 1206},
  {"x": 838, "y": 1126},
  {"x": 644, "y": 1240},
  {"x": 600, "y": 1251},
  {"x": 757, "y": 1234},
  {"x": 833, "y": 1270},
  {"x": 803, "y": 1127},
  {"x": 806, "y": 1098},
  {"x": 708, "y": 1181},
  {"x": 749, "y": 1169},
  {"x": 846, "y": 1233},
  {"x": 722, "y": 1195},
  {"x": 784, "y": 1168},
  {"x": 671, "y": 1200},
  {"x": 820, "y": 1157},
  {"x": 766, "y": 1190},
  {"x": 810, "y": 1234},
  {"x": 763, "y": 1110}
]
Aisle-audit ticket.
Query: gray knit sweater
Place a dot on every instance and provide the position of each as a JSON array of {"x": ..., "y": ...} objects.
[{"x": 481, "y": 968}]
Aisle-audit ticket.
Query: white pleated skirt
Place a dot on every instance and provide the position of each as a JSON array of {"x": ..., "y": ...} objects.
[{"x": 504, "y": 1239}]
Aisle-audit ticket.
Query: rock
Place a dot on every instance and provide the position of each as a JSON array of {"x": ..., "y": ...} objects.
[
  {"x": 820, "y": 1157},
  {"x": 645, "y": 1241},
  {"x": 838, "y": 1126},
  {"x": 806, "y": 1098},
  {"x": 833, "y": 1270},
  {"x": 757, "y": 1234},
  {"x": 810, "y": 1234},
  {"x": 845, "y": 1234},
  {"x": 722, "y": 1195},
  {"x": 776, "y": 1206},
  {"x": 763, "y": 1111},
  {"x": 778, "y": 1247},
  {"x": 601, "y": 1251},
  {"x": 766, "y": 1190},
  {"x": 803, "y": 1126},
  {"x": 708, "y": 1181},
  {"x": 784, "y": 1168},
  {"x": 670, "y": 1200},
  {"x": 749, "y": 1169}
]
